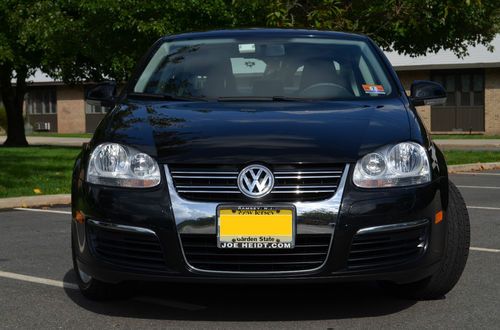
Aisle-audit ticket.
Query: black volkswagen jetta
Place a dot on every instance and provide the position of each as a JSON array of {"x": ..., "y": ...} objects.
[{"x": 266, "y": 155}]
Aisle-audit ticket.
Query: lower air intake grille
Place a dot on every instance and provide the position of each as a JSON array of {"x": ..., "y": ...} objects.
[
  {"x": 201, "y": 252},
  {"x": 384, "y": 249},
  {"x": 134, "y": 250}
]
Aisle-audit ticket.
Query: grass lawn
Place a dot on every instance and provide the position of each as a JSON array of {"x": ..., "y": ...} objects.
[
  {"x": 63, "y": 135},
  {"x": 454, "y": 157},
  {"x": 463, "y": 136},
  {"x": 47, "y": 170},
  {"x": 36, "y": 170}
]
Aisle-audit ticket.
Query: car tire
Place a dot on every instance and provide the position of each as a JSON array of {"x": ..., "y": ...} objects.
[
  {"x": 454, "y": 257},
  {"x": 90, "y": 287}
]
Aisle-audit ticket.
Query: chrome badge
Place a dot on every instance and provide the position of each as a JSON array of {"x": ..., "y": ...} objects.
[{"x": 255, "y": 181}]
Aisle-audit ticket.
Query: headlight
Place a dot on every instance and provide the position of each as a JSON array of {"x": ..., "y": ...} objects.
[
  {"x": 404, "y": 164},
  {"x": 112, "y": 164}
]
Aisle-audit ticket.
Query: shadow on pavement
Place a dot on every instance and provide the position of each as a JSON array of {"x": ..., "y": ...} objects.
[{"x": 209, "y": 302}]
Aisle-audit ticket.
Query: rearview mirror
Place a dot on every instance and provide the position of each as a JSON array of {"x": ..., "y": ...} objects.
[
  {"x": 424, "y": 92},
  {"x": 102, "y": 94}
]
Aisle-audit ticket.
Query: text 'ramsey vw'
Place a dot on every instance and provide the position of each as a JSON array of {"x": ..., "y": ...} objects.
[{"x": 266, "y": 156}]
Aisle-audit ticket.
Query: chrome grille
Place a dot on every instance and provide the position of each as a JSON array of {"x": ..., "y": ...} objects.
[{"x": 292, "y": 182}]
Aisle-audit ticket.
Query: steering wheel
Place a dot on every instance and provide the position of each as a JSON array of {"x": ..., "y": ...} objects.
[{"x": 325, "y": 89}]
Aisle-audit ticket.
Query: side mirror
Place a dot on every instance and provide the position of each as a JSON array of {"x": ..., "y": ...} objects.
[
  {"x": 102, "y": 94},
  {"x": 424, "y": 92}
]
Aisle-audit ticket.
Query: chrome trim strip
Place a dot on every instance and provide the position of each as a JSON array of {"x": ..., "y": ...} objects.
[
  {"x": 174, "y": 173},
  {"x": 303, "y": 187},
  {"x": 203, "y": 177},
  {"x": 211, "y": 191},
  {"x": 114, "y": 226},
  {"x": 307, "y": 172},
  {"x": 193, "y": 217},
  {"x": 391, "y": 227},
  {"x": 207, "y": 187},
  {"x": 182, "y": 188},
  {"x": 301, "y": 191},
  {"x": 307, "y": 177}
]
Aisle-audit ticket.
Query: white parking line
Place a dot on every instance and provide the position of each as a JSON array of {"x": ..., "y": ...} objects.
[
  {"x": 39, "y": 280},
  {"x": 484, "y": 249},
  {"x": 484, "y": 208},
  {"x": 73, "y": 286},
  {"x": 176, "y": 304},
  {"x": 479, "y": 187},
  {"x": 41, "y": 210}
]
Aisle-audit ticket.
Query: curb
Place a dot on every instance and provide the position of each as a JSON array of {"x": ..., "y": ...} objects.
[
  {"x": 473, "y": 167},
  {"x": 31, "y": 201}
]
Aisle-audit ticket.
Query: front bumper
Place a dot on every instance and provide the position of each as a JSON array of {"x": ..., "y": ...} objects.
[{"x": 160, "y": 211}]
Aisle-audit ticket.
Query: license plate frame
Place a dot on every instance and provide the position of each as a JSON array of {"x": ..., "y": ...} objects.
[{"x": 289, "y": 244}]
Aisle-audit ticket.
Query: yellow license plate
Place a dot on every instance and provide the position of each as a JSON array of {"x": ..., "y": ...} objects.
[{"x": 255, "y": 227}]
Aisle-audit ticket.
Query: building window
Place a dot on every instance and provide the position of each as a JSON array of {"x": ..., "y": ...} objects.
[
  {"x": 464, "y": 107},
  {"x": 95, "y": 109},
  {"x": 463, "y": 89},
  {"x": 41, "y": 101}
]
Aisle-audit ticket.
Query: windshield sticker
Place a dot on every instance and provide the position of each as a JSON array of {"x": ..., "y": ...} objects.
[
  {"x": 246, "y": 48},
  {"x": 373, "y": 89}
]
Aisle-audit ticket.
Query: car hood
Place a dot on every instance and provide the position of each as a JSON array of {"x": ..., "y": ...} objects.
[{"x": 269, "y": 132}]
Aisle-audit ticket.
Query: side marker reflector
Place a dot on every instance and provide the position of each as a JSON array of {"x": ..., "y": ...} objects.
[
  {"x": 79, "y": 217},
  {"x": 439, "y": 217}
]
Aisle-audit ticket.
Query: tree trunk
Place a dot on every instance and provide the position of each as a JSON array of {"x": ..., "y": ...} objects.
[{"x": 13, "y": 100}]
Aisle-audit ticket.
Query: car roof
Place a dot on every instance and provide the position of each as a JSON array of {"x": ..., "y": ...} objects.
[{"x": 261, "y": 32}]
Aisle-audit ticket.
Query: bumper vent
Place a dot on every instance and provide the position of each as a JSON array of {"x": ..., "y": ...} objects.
[
  {"x": 202, "y": 253},
  {"x": 389, "y": 248},
  {"x": 291, "y": 182},
  {"x": 128, "y": 249}
]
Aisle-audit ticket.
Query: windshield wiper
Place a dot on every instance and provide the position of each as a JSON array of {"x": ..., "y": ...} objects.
[
  {"x": 289, "y": 99},
  {"x": 258, "y": 98},
  {"x": 169, "y": 97}
]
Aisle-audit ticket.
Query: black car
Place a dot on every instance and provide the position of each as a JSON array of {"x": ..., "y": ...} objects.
[{"x": 266, "y": 156}]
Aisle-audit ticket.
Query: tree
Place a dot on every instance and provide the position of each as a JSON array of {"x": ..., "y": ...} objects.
[
  {"x": 412, "y": 27},
  {"x": 77, "y": 40},
  {"x": 17, "y": 61},
  {"x": 97, "y": 38}
]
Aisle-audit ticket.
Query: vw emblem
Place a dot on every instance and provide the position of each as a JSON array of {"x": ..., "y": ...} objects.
[{"x": 255, "y": 181}]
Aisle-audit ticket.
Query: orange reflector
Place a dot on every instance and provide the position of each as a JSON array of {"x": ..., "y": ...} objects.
[
  {"x": 79, "y": 217},
  {"x": 439, "y": 217}
]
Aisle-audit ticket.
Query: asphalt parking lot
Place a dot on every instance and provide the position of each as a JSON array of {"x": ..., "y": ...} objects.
[{"x": 37, "y": 287}]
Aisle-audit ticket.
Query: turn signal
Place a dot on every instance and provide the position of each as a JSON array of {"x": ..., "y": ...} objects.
[{"x": 439, "y": 217}]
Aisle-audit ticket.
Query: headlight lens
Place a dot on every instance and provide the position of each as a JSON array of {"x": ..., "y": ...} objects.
[
  {"x": 112, "y": 164},
  {"x": 398, "y": 165}
]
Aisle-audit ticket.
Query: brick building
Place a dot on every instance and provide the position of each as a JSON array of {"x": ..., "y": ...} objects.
[
  {"x": 56, "y": 107},
  {"x": 472, "y": 84}
]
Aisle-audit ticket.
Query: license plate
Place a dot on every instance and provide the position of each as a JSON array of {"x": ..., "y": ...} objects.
[{"x": 258, "y": 227}]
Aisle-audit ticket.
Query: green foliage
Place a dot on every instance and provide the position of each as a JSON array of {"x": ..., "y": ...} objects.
[
  {"x": 97, "y": 38},
  {"x": 413, "y": 27},
  {"x": 79, "y": 40},
  {"x": 105, "y": 38},
  {"x": 36, "y": 170},
  {"x": 455, "y": 157},
  {"x": 16, "y": 55},
  {"x": 63, "y": 135}
]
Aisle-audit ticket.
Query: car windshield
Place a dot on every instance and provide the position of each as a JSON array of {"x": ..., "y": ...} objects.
[{"x": 294, "y": 68}]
